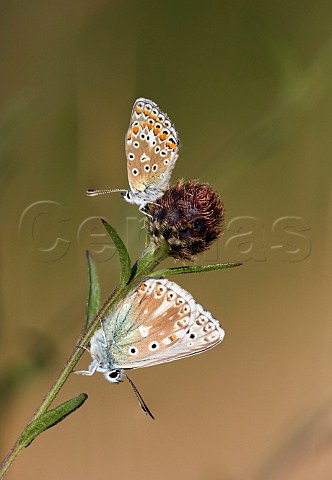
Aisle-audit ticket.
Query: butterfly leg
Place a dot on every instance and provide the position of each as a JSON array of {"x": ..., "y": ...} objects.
[
  {"x": 92, "y": 369},
  {"x": 141, "y": 209}
]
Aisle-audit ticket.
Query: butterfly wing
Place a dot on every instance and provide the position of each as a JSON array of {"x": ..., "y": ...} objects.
[
  {"x": 152, "y": 146},
  {"x": 159, "y": 322}
]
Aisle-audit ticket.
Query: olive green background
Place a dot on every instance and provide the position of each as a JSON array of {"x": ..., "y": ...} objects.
[{"x": 248, "y": 86}]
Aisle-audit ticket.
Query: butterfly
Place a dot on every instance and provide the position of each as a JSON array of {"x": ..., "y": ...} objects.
[
  {"x": 157, "y": 322},
  {"x": 152, "y": 146}
]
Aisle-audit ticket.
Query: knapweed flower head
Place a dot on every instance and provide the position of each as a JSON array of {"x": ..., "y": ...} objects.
[{"x": 189, "y": 216}]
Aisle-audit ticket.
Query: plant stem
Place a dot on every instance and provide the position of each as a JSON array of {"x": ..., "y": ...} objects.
[
  {"x": 150, "y": 258},
  {"x": 148, "y": 261},
  {"x": 10, "y": 457}
]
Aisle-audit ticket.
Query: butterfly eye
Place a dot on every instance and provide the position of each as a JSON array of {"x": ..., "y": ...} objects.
[
  {"x": 163, "y": 153},
  {"x": 166, "y": 162},
  {"x": 154, "y": 167},
  {"x": 167, "y": 123},
  {"x": 154, "y": 112},
  {"x": 131, "y": 156},
  {"x": 142, "y": 136},
  {"x": 161, "y": 118},
  {"x": 157, "y": 149},
  {"x": 147, "y": 168},
  {"x": 135, "y": 144},
  {"x": 170, "y": 296},
  {"x": 133, "y": 351},
  {"x": 113, "y": 376},
  {"x": 135, "y": 172}
]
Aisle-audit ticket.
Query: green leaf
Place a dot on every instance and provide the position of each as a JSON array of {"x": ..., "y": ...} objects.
[
  {"x": 93, "y": 300},
  {"x": 193, "y": 269},
  {"x": 50, "y": 418},
  {"x": 125, "y": 262}
]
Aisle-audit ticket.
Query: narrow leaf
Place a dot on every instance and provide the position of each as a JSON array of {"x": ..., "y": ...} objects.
[
  {"x": 50, "y": 418},
  {"x": 193, "y": 269},
  {"x": 125, "y": 262},
  {"x": 93, "y": 300}
]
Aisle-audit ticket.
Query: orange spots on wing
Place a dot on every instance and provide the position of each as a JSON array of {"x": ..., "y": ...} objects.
[
  {"x": 156, "y": 130},
  {"x": 208, "y": 328},
  {"x": 172, "y": 337},
  {"x": 135, "y": 129},
  {"x": 171, "y": 145},
  {"x": 144, "y": 124},
  {"x": 129, "y": 136},
  {"x": 182, "y": 323},
  {"x": 147, "y": 111},
  {"x": 143, "y": 287},
  {"x": 184, "y": 309},
  {"x": 163, "y": 136},
  {"x": 200, "y": 321},
  {"x": 150, "y": 125},
  {"x": 139, "y": 110},
  {"x": 154, "y": 117}
]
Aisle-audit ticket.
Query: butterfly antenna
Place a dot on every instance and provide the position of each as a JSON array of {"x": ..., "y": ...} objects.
[
  {"x": 93, "y": 193},
  {"x": 143, "y": 405}
]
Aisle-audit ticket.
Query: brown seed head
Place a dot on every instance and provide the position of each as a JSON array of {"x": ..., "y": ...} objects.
[{"x": 189, "y": 216}]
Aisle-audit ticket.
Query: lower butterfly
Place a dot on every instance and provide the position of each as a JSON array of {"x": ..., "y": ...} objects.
[
  {"x": 156, "y": 322},
  {"x": 152, "y": 146}
]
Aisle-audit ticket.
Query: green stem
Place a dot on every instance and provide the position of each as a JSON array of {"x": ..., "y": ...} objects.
[
  {"x": 150, "y": 258},
  {"x": 10, "y": 458}
]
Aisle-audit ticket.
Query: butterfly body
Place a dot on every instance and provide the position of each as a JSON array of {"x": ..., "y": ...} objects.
[
  {"x": 152, "y": 146},
  {"x": 156, "y": 322},
  {"x": 150, "y": 195}
]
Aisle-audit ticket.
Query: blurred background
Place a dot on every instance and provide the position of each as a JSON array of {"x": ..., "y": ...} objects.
[{"x": 248, "y": 87}]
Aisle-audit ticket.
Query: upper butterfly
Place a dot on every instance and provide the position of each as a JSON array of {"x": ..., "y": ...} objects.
[{"x": 152, "y": 146}]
